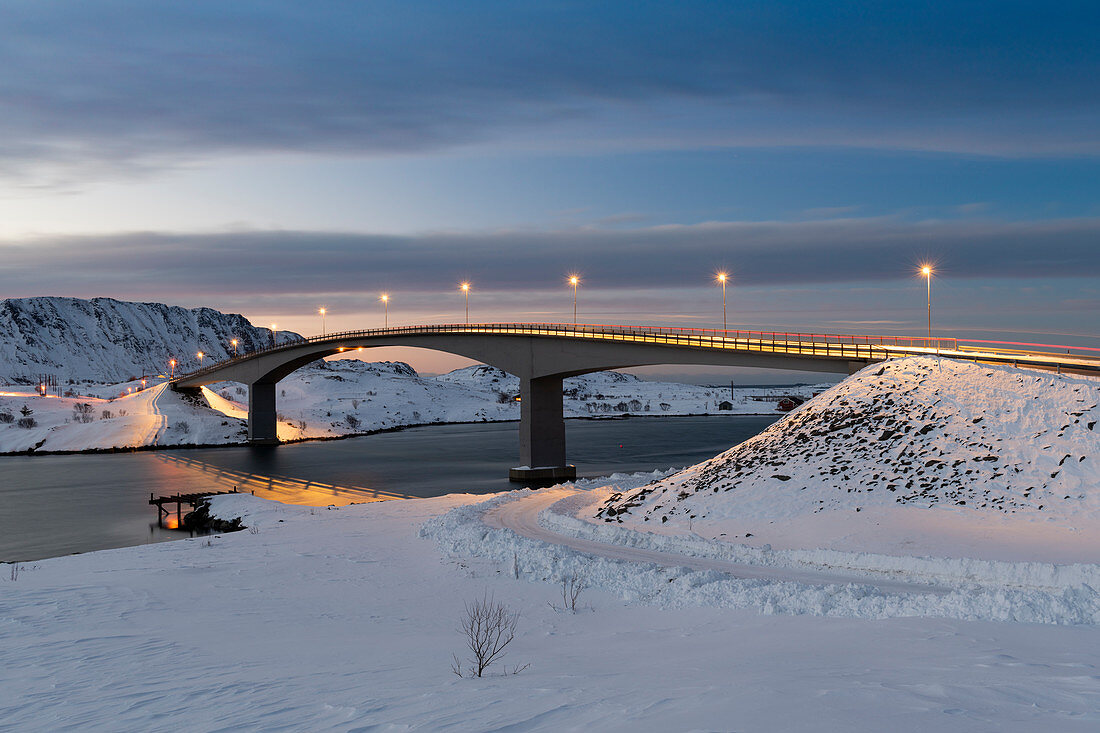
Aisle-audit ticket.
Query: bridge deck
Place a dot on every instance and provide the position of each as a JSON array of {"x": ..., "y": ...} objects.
[{"x": 828, "y": 346}]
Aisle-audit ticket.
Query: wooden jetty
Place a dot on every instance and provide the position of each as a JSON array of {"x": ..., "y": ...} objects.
[{"x": 179, "y": 500}]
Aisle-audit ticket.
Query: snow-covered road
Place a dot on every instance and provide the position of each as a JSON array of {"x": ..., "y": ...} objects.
[{"x": 522, "y": 517}]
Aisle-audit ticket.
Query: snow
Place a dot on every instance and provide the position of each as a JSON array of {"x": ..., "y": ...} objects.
[
  {"x": 108, "y": 340},
  {"x": 152, "y": 417},
  {"x": 781, "y": 585},
  {"x": 344, "y": 619},
  {"x": 335, "y": 399},
  {"x": 915, "y": 456}
]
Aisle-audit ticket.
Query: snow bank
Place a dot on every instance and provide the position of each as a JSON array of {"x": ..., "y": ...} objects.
[{"x": 462, "y": 532}]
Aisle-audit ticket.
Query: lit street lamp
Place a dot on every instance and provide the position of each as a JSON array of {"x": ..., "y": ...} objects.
[
  {"x": 927, "y": 272},
  {"x": 722, "y": 278},
  {"x": 465, "y": 287},
  {"x": 574, "y": 281},
  {"x": 386, "y": 303},
  {"x": 171, "y": 368},
  {"x": 233, "y": 343},
  {"x": 322, "y": 312},
  {"x": 200, "y": 355}
]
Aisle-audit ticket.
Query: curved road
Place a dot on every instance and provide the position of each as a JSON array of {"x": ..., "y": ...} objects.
[{"x": 521, "y": 516}]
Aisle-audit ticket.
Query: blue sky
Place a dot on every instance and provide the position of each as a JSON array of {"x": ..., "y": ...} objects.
[{"x": 269, "y": 158}]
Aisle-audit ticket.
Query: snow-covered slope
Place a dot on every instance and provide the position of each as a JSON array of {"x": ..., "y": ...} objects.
[
  {"x": 959, "y": 449},
  {"x": 107, "y": 340}
]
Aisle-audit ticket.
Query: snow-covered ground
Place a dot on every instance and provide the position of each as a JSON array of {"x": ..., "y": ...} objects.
[
  {"x": 338, "y": 398},
  {"x": 344, "y": 619},
  {"x": 916, "y": 456},
  {"x": 981, "y": 615}
]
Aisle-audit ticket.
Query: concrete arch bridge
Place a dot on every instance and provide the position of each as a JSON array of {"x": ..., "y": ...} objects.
[{"x": 542, "y": 355}]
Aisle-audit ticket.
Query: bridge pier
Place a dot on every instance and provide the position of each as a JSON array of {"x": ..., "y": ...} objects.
[
  {"x": 541, "y": 432},
  {"x": 263, "y": 423}
]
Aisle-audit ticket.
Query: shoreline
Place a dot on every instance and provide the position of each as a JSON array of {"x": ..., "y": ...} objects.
[{"x": 395, "y": 429}]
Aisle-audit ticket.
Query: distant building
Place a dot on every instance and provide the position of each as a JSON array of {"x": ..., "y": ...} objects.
[{"x": 725, "y": 405}]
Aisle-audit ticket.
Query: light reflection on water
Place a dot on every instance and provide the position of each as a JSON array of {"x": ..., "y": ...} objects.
[
  {"x": 287, "y": 489},
  {"x": 55, "y": 505}
]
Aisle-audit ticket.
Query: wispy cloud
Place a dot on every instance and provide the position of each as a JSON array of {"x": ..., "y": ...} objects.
[{"x": 94, "y": 88}]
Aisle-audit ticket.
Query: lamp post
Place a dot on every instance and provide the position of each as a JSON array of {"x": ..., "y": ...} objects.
[
  {"x": 322, "y": 312},
  {"x": 574, "y": 281},
  {"x": 233, "y": 343},
  {"x": 274, "y": 338},
  {"x": 171, "y": 368},
  {"x": 927, "y": 272},
  {"x": 200, "y": 355},
  {"x": 386, "y": 304},
  {"x": 465, "y": 287},
  {"x": 722, "y": 278}
]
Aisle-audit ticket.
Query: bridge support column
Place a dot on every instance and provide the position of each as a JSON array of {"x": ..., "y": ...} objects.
[
  {"x": 541, "y": 432},
  {"x": 263, "y": 426}
]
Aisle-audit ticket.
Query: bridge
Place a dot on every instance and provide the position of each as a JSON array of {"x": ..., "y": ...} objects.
[{"x": 543, "y": 354}]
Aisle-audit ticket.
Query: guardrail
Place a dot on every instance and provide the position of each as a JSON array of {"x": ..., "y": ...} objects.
[{"x": 838, "y": 346}]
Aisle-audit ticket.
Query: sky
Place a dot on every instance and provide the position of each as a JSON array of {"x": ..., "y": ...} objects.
[{"x": 271, "y": 158}]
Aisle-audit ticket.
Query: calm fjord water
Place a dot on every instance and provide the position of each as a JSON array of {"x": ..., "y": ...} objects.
[{"x": 56, "y": 505}]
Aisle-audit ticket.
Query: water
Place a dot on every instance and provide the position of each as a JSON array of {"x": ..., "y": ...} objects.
[{"x": 56, "y": 505}]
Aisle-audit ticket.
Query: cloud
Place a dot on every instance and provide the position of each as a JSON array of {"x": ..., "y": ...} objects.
[
  {"x": 92, "y": 89},
  {"x": 285, "y": 263}
]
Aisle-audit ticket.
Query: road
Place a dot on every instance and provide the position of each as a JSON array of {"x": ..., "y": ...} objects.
[{"x": 521, "y": 516}]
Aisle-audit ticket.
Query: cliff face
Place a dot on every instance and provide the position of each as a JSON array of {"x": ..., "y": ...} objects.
[{"x": 108, "y": 340}]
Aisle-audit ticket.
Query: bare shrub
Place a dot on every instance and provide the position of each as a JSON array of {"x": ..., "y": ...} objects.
[
  {"x": 15, "y": 571},
  {"x": 27, "y": 423},
  {"x": 254, "y": 529},
  {"x": 488, "y": 627},
  {"x": 182, "y": 426},
  {"x": 352, "y": 421},
  {"x": 82, "y": 412},
  {"x": 7, "y": 418},
  {"x": 122, "y": 413},
  {"x": 355, "y": 404},
  {"x": 572, "y": 585},
  {"x": 106, "y": 415}
]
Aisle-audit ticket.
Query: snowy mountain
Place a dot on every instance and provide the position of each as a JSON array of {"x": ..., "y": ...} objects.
[
  {"x": 954, "y": 441},
  {"x": 107, "y": 340}
]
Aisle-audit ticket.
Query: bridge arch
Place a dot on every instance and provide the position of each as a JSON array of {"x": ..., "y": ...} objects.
[{"x": 541, "y": 356}]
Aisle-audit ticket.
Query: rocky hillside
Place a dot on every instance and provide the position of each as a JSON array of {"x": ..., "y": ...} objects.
[
  {"x": 911, "y": 432},
  {"x": 108, "y": 340}
]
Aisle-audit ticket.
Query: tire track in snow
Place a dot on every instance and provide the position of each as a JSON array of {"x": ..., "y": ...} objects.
[{"x": 521, "y": 517}]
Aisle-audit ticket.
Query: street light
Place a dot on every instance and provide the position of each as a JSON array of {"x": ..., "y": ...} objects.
[
  {"x": 322, "y": 312},
  {"x": 574, "y": 280},
  {"x": 722, "y": 278},
  {"x": 386, "y": 303},
  {"x": 200, "y": 355},
  {"x": 171, "y": 368},
  {"x": 927, "y": 272},
  {"x": 274, "y": 338},
  {"x": 233, "y": 343},
  {"x": 465, "y": 287}
]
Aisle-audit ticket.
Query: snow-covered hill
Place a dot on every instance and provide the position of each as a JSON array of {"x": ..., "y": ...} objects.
[
  {"x": 914, "y": 450},
  {"x": 107, "y": 340},
  {"x": 98, "y": 349}
]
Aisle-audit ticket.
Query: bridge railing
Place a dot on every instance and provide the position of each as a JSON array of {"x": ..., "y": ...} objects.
[{"x": 827, "y": 345}]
